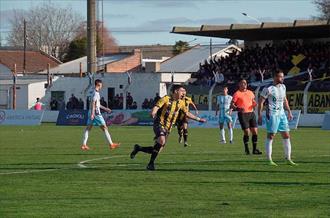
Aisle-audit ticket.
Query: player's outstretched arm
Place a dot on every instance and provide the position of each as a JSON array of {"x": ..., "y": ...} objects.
[
  {"x": 105, "y": 108},
  {"x": 193, "y": 117}
]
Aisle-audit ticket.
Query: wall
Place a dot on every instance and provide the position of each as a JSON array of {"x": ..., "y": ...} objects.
[
  {"x": 5, "y": 71},
  {"x": 37, "y": 90},
  {"x": 178, "y": 77},
  {"x": 21, "y": 96},
  {"x": 144, "y": 85},
  {"x": 131, "y": 63}
]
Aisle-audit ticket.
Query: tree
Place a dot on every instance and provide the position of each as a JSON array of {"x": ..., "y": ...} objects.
[
  {"x": 180, "y": 46},
  {"x": 324, "y": 8},
  {"x": 105, "y": 42},
  {"x": 77, "y": 49},
  {"x": 49, "y": 28}
]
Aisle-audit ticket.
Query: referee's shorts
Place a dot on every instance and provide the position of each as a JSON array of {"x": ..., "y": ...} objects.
[{"x": 247, "y": 120}]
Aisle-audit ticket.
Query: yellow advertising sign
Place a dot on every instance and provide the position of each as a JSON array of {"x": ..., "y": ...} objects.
[{"x": 317, "y": 102}]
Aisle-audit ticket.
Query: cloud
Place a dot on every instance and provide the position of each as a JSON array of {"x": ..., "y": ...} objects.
[
  {"x": 118, "y": 16},
  {"x": 160, "y": 3},
  {"x": 166, "y": 24}
]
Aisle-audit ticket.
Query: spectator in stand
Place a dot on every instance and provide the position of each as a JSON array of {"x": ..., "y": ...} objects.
[
  {"x": 145, "y": 104},
  {"x": 53, "y": 104},
  {"x": 74, "y": 101},
  {"x": 134, "y": 106},
  {"x": 81, "y": 104},
  {"x": 116, "y": 102},
  {"x": 38, "y": 105},
  {"x": 243, "y": 65},
  {"x": 121, "y": 101},
  {"x": 69, "y": 105},
  {"x": 129, "y": 100}
]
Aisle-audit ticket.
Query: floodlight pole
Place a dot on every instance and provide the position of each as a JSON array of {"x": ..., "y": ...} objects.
[{"x": 253, "y": 18}]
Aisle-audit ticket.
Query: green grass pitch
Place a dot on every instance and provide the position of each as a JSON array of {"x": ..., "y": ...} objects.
[{"x": 40, "y": 175}]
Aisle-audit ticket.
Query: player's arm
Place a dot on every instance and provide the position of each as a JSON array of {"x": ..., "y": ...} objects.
[
  {"x": 158, "y": 105},
  {"x": 194, "y": 106},
  {"x": 105, "y": 108},
  {"x": 233, "y": 105},
  {"x": 154, "y": 111},
  {"x": 217, "y": 108},
  {"x": 193, "y": 117},
  {"x": 287, "y": 107},
  {"x": 93, "y": 109},
  {"x": 260, "y": 108}
]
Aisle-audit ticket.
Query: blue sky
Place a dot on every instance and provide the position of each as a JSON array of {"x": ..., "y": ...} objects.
[{"x": 136, "y": 22}]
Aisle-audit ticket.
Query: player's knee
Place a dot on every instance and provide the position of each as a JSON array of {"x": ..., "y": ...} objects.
[
  {"x": 161, "y": 141},
  {"x": 286, "y": 136},
  {"x": 271, "y": 136},
  {"x": 185, "y": 131}
]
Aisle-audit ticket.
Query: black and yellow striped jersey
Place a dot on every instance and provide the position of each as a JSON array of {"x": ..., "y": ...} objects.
[
  {"x": 168, "y": 111},
  {"x": 187, "y": 101}
]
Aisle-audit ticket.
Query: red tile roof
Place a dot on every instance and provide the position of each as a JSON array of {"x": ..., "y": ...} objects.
[{"x": 35, "y": 60}]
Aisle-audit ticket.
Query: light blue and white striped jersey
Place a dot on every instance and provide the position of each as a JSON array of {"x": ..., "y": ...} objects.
[
  {"x": 224, "y": 103},
  {"x": 275, "y": 95}
]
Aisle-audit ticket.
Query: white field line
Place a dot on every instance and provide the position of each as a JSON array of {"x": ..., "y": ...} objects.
[{"x": 29, "y": 171}]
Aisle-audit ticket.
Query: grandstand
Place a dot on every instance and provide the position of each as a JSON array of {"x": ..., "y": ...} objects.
[{"x": 301, "y": 49}]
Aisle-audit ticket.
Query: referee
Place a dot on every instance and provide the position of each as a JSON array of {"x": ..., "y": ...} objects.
[{"x": 243, "y": 101}]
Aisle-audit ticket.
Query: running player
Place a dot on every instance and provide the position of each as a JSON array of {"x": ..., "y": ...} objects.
[
  {"x": 165, "y": 113},
  {"x": 223, "y": 106},
  {"x": 182, "y": 121},
  {"x": 95, "y": 118},
  {"x": 276, "y": 120},
  {"x": 243, "y": 101}
]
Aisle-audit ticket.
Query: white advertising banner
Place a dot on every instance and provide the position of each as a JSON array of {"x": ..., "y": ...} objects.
[{"x": 21, "y": 117}]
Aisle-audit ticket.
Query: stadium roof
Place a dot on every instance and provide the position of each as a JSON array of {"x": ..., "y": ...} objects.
[
  {"x": 299, "y": 29},
  {"x": 188, "y": 61}
]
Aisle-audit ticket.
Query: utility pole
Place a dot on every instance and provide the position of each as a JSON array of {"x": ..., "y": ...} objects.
[
  {"x": 91, "y": 37},
  {"x": 14, "y": 87},
  {"x": 24, "y": 55}
]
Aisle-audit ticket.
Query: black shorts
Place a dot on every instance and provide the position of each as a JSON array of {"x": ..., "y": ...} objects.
[
  {"x": 159, "y": 130},
  {"x": 180, "y": 122},
  {"x": 247, "y": 120}
]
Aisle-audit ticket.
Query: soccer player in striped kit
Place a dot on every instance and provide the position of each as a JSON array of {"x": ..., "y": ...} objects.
[
  {"x": 223, "y": 106},
  {"x": 165, "y": 113},
  {"x": 276, "y": 120}
]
